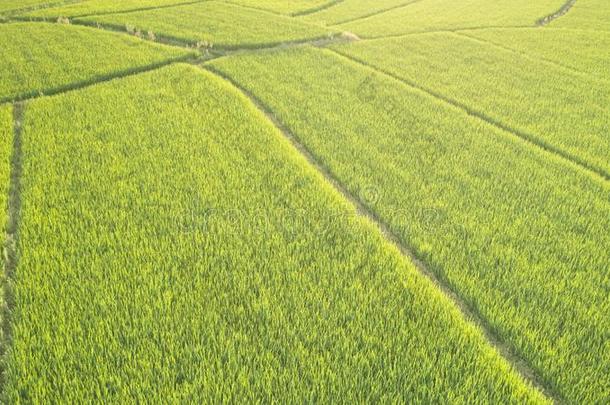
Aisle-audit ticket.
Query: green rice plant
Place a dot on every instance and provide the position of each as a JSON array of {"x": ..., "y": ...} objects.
[
  {"x": 91, "y": 7},
  {"x": 40, "y": 58},
  {"x": 174, "y": 247},
  {"x": 553, "y": 107},
  {"x": 519, "y": 233},
  {"x": 586, "y": 14},
  {"x": 427, "y": 15},
  {"x": 289, "y": 7},
  {"x": 582, "y": 50},
  {"x": 221, "y": 24},
  {"x": 349, "y": 10}
]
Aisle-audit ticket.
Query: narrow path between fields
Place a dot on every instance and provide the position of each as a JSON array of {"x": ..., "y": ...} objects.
[
  {"x": 376, "y": 13},
  {"x": 559, "y": 13},
  {"x": 11, "y": 252},
  {"x": 466, "y": 310},
  {"x": 86, "y": 83},
  {"x": 535, "y": 58},
  {"x": 318, "y": 9},
  {"x": 529, "y": 138}
]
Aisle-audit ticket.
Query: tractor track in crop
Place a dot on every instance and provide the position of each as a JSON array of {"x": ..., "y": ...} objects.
[
  {"x": 318, "y": 9},
  {"x": 376, "y": 13},
  {"x": 86, "y": 83},
  {"x": 559, "y": 13},
  {"x": 10, "y": 251},
  {"x": 531, "y": 140},
  {"x": 467, "y": 311}
]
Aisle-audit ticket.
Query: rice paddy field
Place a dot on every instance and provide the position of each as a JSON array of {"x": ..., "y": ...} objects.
[{"x": 305, "y": 201}]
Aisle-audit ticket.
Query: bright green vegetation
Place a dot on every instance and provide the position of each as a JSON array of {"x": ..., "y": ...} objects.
[
  {"x": 221, "y": 24},
  {"x": 586, "y": 14},
  {"x": 428, "y": 15},
  {"x": 40, "y": 57},
  {"x": 13, "y": 5},
  {"x": 349, "y": 10},
  {"x": 519, "y": 233},
  {"x": 561, "y": 110},
  {"x": 175, "y": 247},
  {"x": 100, "y": 7},
  {"x": 585, "y": 51},
  {"x": 283, "y": 6}
]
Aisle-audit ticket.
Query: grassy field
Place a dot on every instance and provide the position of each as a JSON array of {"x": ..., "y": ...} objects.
[
  {"x": 305, "y": 201},
  {"x": 495, "y": 217},
  {"x": 69, "y": 56},
  {"x": 262, "y": 295},
  {"x": 221, "y": 24}
]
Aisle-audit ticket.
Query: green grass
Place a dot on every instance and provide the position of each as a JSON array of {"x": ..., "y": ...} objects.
[
  {"x": 39, "y": 57},
  {"x": 99, "y": 7},
  {"x": 519, "y": 233},
  {"x": 586, "y": 14},
  {"x": 222, "y": 24},
  {"x": 174, "y": 247},
  {"x": 289, "y": 7},
  {"x": 429, "y": 15},
  {"x": 582, "y": 50},
  {"x": 348, "y": 10},
  {"x": 553, "y": 107}
]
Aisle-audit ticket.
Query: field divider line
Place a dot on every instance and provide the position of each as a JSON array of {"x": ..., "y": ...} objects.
[
  {"x": 527, "y": 55},
  {"x": 9, "y": 13},
  {"x": 440, "y": 31},
  {"x": 466, "y": 310},
  {"x": 317, "y": 9},
  {"x": 97, "y": 80},
  {"x": 135, "y": 10},
  {"x": 376, "y": 13},
  {"x": 11, "y": 251},
  {"x": 531, "y": 140},
  {"x": 559, "y": 13}
]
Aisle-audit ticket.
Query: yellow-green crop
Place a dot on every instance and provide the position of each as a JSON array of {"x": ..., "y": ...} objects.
[
  {"x": 586, "y": 14},
  {"x": 40, "y": 57},
  {"x": 581, "y": 50},
  {"x": 174, "y": 247},
  {"x": 553, "y": 107},
  {"x": 221, "y": 24},
  {"x": 91, "y": 7},
  {"x": 426, "y": 15},
  {"x": 519, "y": 233}
]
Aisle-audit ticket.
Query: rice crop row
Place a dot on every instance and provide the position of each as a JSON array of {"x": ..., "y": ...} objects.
[
  {"x": 41, "y": 57},
  {"x": 348, "y": 10},
  {"x": 175, "y": 248},
  {"x": 519, "y": 233},
  {"x": 558, "y": 109},
  {"x": 429, "y": 15},
  {"x": 582, "y": 50},
  {"x": 221, "y": 24}
]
